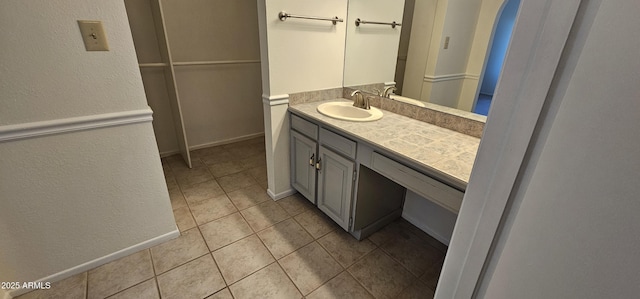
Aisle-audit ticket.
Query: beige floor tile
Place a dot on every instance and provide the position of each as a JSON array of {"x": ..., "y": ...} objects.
[
  {"x": 254, "y": 160},
  {"x": 177, "y": 163},
  {"x": 412, "y": 252},
  {"x": 309, "y": 267},
  {"x": 257, "y": 172},
  {"x": 345, "y": 248},
  {"x": 196, "y": 279},
  {"x": 74, "y": 287},
  {"x": 270, "y": 282},
  {"x": 264, "y": 215},
  {"x": 284, "y": 238},
  {"x": 386, "y": 233},
  {"x": 177, "y": 199},
  {"x": 295, "y": 204},
  {"x": 381, "y": 275},
  {"x": 172, "y": 184},
  {"x": 242, "y": 258},
  {"x": 222, "y": 294},
  {"x": 341, "y": 286},
  {"x": 208, "y": 151},
  {"x": 316, "y": 223},
  {"x": 184, "y": 220},
  {"x": 188, "y": 246},
  {"x": 190, "y": 177},
  {"x": 210, "y": 209},
  {"x": 417, "y": 290},
  {"x": 118, "y": 275},
  {"x": 422, "y": 235},
  {"x": 248, "y": 197},
  {"x": 236, "y": 181},
  {"x": 224, "y": 231},
  {"x": 202, "y": 191},
  {"x": 431, "y": 276},
  {"x": 226, "y": 168},
  {"x": 216, "y": 158},
  {"x": 145, "y": 290}
]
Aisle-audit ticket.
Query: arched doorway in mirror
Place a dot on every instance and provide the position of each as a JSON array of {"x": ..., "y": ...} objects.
[{"x": 495, "y": 57}]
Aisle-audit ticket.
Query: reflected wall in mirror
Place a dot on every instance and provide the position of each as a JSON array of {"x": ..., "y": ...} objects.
[
  {"x": 370, "y": 56},
  {"x": 443, "y": 54}
]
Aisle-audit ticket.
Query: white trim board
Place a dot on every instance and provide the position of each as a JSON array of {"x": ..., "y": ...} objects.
[
  {"x": 275, "y": 100},
  {"x": 73, "y": 124},
  {"x": 537, "y": 44},
  {"x": 282, "y": 194},
  {"x": 449, "y": 77},
  {"x": 101, "y": 261}
]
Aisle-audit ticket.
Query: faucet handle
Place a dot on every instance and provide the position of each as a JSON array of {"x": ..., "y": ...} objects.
[{"x": 388, "y": 90}]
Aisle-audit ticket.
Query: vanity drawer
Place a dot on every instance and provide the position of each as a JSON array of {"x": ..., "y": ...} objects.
[
  {"x": 440, "y": 193},
  {"x": 305, "y": 127},
  {"x": 338, "y": 143}
]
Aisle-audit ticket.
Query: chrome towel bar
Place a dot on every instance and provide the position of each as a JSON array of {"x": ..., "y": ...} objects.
[
  {"x": 283, "y": 16},
  {"x": 393, "y": 24}
]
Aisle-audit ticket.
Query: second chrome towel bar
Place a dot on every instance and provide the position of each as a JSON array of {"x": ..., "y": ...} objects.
[
  {"x": 393, "y": 24},
  {"x": 283, "y": 16}
]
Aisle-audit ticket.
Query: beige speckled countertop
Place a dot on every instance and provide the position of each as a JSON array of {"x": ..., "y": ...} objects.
[{"x": 446, "y": 153}]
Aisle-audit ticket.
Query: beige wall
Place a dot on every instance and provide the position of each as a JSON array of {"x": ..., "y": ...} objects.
[{"x": 80, "y": 176}]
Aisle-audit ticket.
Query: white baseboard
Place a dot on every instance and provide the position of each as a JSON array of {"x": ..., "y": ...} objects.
[
  {"x": 426, "y": 229},
  {"x": 282, "y": 194},
  {"x": 99, "y": 261},
  {"x": 226, "y": 141},
  {"x": 214, "y": 143}
]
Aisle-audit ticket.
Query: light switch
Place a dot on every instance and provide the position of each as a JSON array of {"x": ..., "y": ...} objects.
[{"x": 93, "y": 35}]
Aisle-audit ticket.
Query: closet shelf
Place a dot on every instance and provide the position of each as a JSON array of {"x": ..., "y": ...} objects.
[{"x": 188, "y": 63}]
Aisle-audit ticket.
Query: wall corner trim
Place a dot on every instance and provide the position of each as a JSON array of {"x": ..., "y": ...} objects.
[
  {"x": 100, "y": 261},
  {"x": 275, "y": 100},
  {"x": 73, "y": 124},
  {"x": 282, "y": 194}
]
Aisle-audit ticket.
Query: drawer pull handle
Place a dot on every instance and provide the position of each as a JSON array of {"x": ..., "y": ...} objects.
[
  {"x": 311, "y": 159},
  {"x": 318, "y": 164}
]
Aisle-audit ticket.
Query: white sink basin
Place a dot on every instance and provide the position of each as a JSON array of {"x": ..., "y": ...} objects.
[
  {"x": 407, "y": 100},
  {"x": 346, "y": 111}
]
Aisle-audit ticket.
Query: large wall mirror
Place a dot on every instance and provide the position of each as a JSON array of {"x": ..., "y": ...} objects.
[{"x": 445, "y": 52}]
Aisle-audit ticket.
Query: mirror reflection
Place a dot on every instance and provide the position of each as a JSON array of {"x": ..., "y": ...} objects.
[{"x": 446, "y": 52}]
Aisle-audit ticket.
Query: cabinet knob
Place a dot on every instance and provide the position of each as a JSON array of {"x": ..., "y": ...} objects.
[
  {"x": 318, "y": 164},
  {"x": 311, "y": 159}
]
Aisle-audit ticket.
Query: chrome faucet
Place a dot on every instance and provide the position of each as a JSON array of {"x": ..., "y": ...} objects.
[
  {"x": 360, "y": 101},
  {"x": 388, "y": 90}
]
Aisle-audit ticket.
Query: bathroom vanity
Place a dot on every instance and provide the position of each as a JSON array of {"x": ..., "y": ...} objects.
[{"x": 358, "y": 172}]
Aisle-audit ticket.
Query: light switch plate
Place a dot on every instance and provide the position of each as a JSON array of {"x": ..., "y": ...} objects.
[{"x": 93, "y": 35}]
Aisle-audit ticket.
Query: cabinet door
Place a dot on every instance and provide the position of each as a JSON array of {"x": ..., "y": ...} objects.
[
  {"x": 303, "y": 171},
  {"x": 335, "y": 186}
]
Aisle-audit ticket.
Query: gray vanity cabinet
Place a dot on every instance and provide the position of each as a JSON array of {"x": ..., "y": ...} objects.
[
  {"x": 303, "y": 165},
  {"x": 323, "y": 168},
  {"x": 335, "y": 186}
]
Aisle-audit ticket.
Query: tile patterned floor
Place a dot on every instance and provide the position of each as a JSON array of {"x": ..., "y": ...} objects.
[{"x": 236, "y": 242}]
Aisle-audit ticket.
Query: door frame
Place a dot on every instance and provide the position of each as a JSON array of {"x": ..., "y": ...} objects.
[{"x": 538, "y": 41}]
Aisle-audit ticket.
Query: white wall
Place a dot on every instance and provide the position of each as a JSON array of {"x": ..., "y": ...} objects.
[
  {"x": 371, "y": 51},
  {"x": 297, "y": 55},
  {"x": 571, "y": 231},
  {"x": 304, "y": 55},
  {"x": 429, "y": 217},
  {"x": 78, "y": 197}
]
